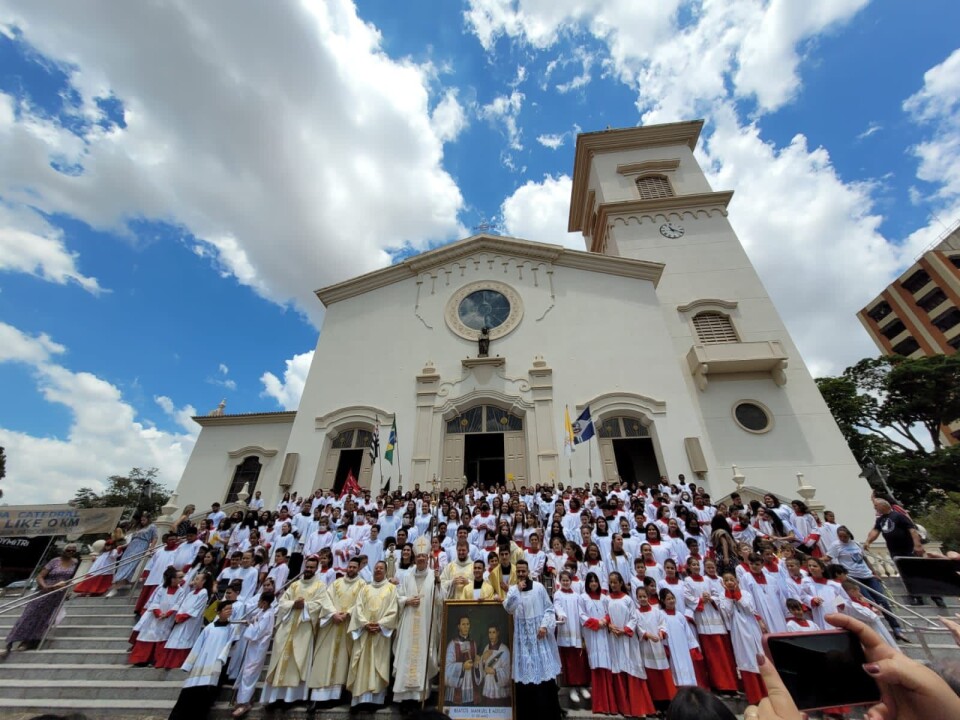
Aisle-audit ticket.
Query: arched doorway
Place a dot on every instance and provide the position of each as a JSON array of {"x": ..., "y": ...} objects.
[
  {"x": 627, "y": 451},
  {"x": 485, "y": 444},
  {"x": 349, "y": 451}
]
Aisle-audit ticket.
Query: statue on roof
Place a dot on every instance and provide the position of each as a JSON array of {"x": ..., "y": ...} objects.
[{"x": 218, "y": 411}]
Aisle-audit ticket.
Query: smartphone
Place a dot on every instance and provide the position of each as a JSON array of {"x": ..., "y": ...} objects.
[
  {"x": 929, "y": 576},
  {"x": 822, "y": 669}
]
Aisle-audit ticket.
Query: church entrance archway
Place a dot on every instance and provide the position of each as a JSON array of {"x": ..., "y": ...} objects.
[
  {"x": 348, "y": 451},
  {"x": 486, "y": 445},
  {"x": 627, "y": 452}
]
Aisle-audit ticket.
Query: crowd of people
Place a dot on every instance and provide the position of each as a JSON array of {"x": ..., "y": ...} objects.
[{"x": 624, "y": 595}]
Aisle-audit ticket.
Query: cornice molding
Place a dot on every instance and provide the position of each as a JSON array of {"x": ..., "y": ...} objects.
[
  {"x": 606, "y": 212},
  {"x": 252, "y": 450},
  {"x": 648, "y": 166},
  {"x": 707, "y": 303},
  {"x": 246, "y": 419},
  {"x": 366, "y": 415},
  {"x": 493, "y": 244},
  {"x": 589, "y": 144}
]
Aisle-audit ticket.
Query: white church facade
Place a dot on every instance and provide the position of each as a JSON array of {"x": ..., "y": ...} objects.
[{"x": 661, "y": 326}]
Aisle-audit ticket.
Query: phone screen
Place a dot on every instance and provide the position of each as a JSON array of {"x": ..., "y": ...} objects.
[
  {"x": 822, "y": 669},
  {"x": 929, "y": 576}
]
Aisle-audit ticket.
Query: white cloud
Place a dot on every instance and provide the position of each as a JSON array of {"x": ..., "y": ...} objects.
[
  {"x": 505, "y": 109},
  {"x": 17, "y": 346},
  {"x": 105, "y": 436},
  {"x": 183, "y": 416},
  {"x": 937, "y": 106},
  {"x": 266, "y": 157},
  {"x": 554, "y": 141},
  {"x": 750, "y": 45},
  {"x": 586, "y": 60},
  {"x": 29, "y": 244},
  {"x": 448, "y": 117},
  {"x": 538, "y": 211},
  {"x": 287, "y": 392},
  {"x": 872, "y": 128},
  {"x": 224, "y": 369}
]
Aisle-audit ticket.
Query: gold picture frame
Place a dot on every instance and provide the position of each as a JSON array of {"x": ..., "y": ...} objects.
[{"x": 485, "y": 691}]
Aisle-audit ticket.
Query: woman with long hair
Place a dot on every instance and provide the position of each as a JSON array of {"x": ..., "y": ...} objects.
[
  {"x": 594, "y": 610},
  {"x": 140, "y": 541},
  {"x": 629, "y": 677},
  {"x": 156, "y": 624}
]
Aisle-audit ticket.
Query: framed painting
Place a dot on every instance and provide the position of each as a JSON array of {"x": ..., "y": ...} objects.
[{"x": 476, "y": 667}]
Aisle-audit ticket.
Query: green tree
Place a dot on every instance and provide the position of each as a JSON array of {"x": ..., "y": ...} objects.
[
  {"x": 943, "y": 522},
  {"x": 137, "y": 490},
  {"x": 892, "y": 409}
]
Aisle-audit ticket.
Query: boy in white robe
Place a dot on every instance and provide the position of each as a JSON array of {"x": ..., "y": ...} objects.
[
  {"x": 257, "y": 634},
  {"x": 204, "y": 665}
]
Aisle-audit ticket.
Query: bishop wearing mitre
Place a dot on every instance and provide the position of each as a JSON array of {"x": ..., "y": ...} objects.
[
  {"x": 415, "y": 653},
  {"x": 372, "y": 625},
  {"x": 298, "y": 610}
]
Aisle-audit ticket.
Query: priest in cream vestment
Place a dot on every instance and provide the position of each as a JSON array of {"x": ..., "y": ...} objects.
[
  {"x": 334, "y": 645},
  {"x": 299, "y": 608},
  {"x": 458, "y": 574},
  {"x": 415, "y": 651},
  {"x": 372, "y": 625}
]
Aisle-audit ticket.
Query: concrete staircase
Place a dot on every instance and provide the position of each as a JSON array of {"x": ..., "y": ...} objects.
[{"x": 82, "y": 668}]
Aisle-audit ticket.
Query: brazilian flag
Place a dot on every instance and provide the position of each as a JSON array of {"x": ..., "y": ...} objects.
[{"x": 391, "y": 443}]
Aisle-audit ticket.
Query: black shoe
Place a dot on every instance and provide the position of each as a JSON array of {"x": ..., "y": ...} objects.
[
  {"x": 313, "y": 707},
  {"x": 900, "y": 637},
  {"x": 938, "y": 601},
  {"x": 917, "y": 601}
]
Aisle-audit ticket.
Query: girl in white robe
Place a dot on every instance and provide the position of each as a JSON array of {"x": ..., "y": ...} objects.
[
  {"x": 653, "y": 570},
  {"x": 573, "y": 659},
  {"x": 701, "y": 600},
  {"x": 678, "y": 641},
  {"x": 156, "y": 623},
  {"x": 766, "y": 595},
  {"x": 866, "y": 612},
  {"x": 797, "y": 622},
  {"x": 740, "y": 613},
  {"x": 651, "y": 632},
  {"x": 671, "y": 578},
  {"x": 593, "y": 610},
  {"x": 821, "y": 595},
  {"x": 257, "y": 634},
  {"x": 188, "y": 623},
  {"x": 618, "y": 560},
  {"x": 630, "y": 690}
]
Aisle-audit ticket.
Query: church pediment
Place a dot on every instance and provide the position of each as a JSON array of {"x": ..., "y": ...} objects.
[{"x": 505, "y": 247}]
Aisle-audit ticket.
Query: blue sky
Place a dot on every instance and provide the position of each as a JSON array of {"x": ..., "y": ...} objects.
[{"x": 176, "y": 179}]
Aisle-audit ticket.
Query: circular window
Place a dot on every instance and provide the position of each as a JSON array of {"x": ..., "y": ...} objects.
[
  {"x": 484, "y": 304},
  {"x": 752, "y": 416},
  {"x": 484, "y": 309}
]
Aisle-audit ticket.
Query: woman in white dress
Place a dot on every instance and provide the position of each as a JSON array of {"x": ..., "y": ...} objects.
[
  {"x": 573, "y": 658},
  {"x": 154, "y": 626},
  {"x": 821, "y": 595},
  {"x": 702, "y": 600}
]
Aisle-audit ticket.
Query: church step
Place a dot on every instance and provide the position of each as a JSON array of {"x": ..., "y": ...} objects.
[
  {"x": 133, "y": 691},
  {"x": 110, "y": 632},
  {"x": 11, "y": 669},
  {"x": 18, "y": 708},
  {"x": 78, "y": 619},
  {"x": 88, "y": 654},
  {"x": 70, "y": 642}
]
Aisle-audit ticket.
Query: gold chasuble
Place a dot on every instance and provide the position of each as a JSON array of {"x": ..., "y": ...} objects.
[
  {"x": 451, "y": 572},
  {"x": 496, "y": 576},
  {"x": 370, "y": 665},
  {"x": 334, "y": 646},
  {"x": 293, "y": 643}
]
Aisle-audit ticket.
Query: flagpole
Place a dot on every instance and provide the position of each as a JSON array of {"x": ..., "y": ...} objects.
[
  {"x": 589, "y": 459},
  {"x": 396, "y": 452}
]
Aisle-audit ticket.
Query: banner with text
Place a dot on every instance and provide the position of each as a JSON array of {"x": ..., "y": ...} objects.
[{"x": 33, "y": 520}]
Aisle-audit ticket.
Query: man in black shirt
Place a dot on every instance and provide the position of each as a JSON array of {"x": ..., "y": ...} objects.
[{"x": 901, "y": 537}]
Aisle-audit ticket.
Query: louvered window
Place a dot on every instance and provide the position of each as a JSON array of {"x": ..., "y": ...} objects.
[
  {"x": 654, "y": 186},
  {"x": 713, "y": 328}
]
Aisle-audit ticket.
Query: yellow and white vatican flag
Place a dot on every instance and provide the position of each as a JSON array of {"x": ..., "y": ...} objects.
[{"x": 567, "y": 432}]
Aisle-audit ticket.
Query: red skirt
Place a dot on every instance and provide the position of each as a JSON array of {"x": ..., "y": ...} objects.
[
  {"x": 143, "y": 652},
  {"x": 602, "y": 696},
  {"x": 700, "y": 669},
  {"x": 632, "y": 696},
  {"x": 170, "y": 659},
  {"x": 576, "y": 672},
  {"x": 753, "y": 686},
  {"x": 660, "y": 684},
  {"x": 96, "y": 585},
  {"x": 144, "y": 598},
  {"x": 721, "y": 665}
]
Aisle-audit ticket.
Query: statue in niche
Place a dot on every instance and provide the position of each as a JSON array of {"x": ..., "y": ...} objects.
[{"x": 484, "y": 342}]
